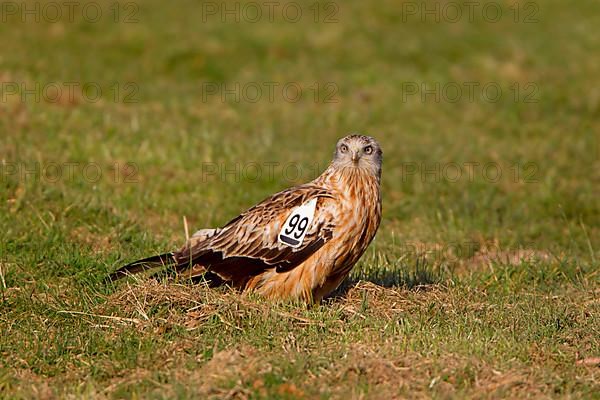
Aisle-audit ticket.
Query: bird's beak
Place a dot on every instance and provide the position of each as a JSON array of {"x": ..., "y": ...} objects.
[{"x": 355, "y": 157}]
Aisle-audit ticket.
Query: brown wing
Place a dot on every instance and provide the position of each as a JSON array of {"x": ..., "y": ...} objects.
[{"x": 249, "y": 244}]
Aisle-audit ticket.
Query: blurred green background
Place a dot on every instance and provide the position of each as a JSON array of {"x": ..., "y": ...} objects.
[{"x": 158, "y": 67}]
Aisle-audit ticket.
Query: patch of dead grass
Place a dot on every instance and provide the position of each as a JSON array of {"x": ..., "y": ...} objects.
[
  {"x": 374, "y": 367},
  {"x": 99, "y": 243}
]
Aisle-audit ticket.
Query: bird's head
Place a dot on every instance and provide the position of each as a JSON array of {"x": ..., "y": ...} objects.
[{"x": 360, "y": 152}]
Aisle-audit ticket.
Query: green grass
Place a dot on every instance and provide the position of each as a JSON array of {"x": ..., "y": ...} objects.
[{"x": 472, "y": 288}]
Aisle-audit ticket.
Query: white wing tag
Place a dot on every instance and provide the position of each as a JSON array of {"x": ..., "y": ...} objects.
[{"x": 297, "y": 224}]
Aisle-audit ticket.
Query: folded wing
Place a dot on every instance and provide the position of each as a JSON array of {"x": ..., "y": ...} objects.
[{"x": 248, "y": 245}]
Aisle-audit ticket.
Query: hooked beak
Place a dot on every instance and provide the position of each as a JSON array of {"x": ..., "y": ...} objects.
[{"x": 355, "y": 157}]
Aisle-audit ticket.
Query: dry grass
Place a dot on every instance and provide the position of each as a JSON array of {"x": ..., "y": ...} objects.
[{"x": 349, "y": 354}]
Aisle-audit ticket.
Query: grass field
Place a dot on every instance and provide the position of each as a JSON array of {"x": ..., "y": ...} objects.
[{"x": 483, "y": 280}]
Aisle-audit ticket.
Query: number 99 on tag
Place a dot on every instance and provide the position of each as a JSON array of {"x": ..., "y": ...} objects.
[{"x": 297, "y": 224}]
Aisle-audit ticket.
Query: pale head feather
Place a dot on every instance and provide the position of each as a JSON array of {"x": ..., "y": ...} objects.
[{"x": 358, "y": 152}]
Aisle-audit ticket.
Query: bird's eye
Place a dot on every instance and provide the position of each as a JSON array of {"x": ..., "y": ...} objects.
[
  {"x": 344, "y": 148},
  {"x": 368, "y": 149}
]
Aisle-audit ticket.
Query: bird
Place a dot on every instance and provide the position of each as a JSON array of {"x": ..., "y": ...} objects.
[{"x": 298, "y": 244}]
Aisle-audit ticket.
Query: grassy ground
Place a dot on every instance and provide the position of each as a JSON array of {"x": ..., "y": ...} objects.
[{"x": 477, "y": 285}]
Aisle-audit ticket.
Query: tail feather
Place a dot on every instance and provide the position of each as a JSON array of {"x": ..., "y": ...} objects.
[{"x": 161, "y": 260}]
